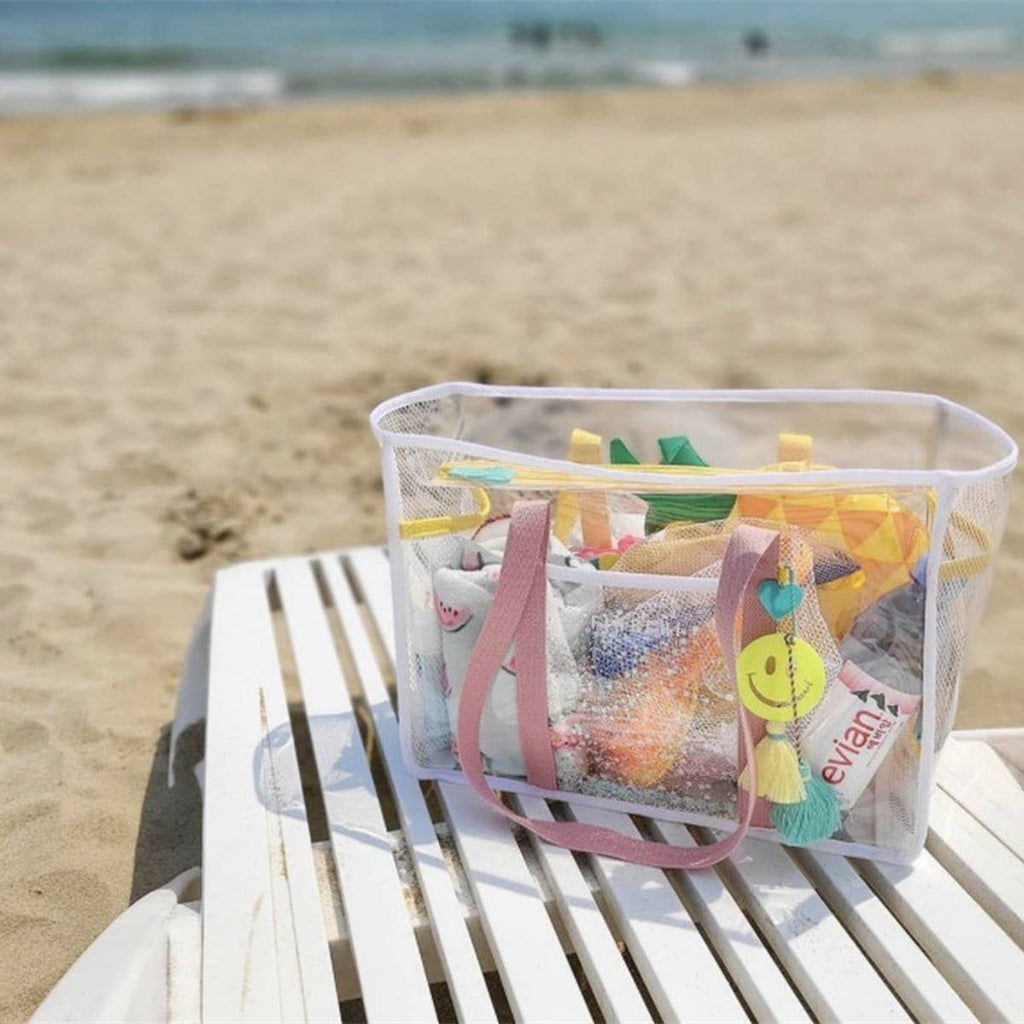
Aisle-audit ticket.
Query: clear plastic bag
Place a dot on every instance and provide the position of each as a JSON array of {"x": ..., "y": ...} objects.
[{"x": 890, "y": 506}]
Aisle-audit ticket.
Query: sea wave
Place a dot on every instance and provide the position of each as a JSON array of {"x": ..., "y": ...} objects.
[
  {"x": 482, "y": 72},
  {"x": 666, "y": 72},
  {"x": 67, "y": 54},
  {"x": 946, "y": 42},
  {"x": 44, "y": 91},
  {"x": 83, "y": 57}
]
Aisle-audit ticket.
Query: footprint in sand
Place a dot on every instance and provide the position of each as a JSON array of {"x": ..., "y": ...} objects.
[
  {"x": 23, "y": 735},
  {"x": 43, "y": 814},
  {"x": 75, "y": 729},
  {"x": 34, "y": 649},
  {"x": 208, "y": 521}
]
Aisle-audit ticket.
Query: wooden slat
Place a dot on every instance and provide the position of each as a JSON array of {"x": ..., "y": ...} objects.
[
  {"x": 1007, "y": 741},
  {"x": 299, "y": 921},
  {"x": 609, "y": 977},
  {"x": 265, "y": 953},
  {"x": 680, "y": 972},
  {"x": 764, "y": 987},
  {"x": 391, "y": 976},
  {"x": 122, "y": 976},
  {"x": 977, "y": 957},
  {"x": 539, "y": 983},
  {"x": 451, "y": 937},
  {"x": 974, "y": 775},
  {"x": 237, "y": 927},
  {"x": 184, "y": 965},
  {"x": 832, "y": 974},
  {"x": 895, "y": 954},
  {"x": 979, "y": 862},
  {"x": 373, "y": 570}
]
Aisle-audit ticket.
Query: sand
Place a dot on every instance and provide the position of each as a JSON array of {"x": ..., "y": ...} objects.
[{"x": 198, "y": 311}]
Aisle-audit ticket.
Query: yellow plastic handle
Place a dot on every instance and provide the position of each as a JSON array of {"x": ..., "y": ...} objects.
[
  {"x": 526, "y": 478},
  {"x": 970, "y": 565},
  {"x": 439, "y": 526}
]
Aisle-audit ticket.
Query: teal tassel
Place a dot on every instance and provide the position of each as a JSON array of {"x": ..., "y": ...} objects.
[{"x": 816, "y": 817}]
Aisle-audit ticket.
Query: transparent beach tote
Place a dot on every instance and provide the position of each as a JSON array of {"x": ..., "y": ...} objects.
[{"x": 742, "y": 610}]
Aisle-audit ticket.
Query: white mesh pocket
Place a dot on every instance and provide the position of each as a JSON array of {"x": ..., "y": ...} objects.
[{"x": 656, "y": 721}]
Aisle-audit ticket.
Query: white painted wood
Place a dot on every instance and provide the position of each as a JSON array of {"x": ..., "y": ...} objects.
[
  {"x": 307, "y": 992},
  {"x": 538, "y": 981},
  {"x": 265, "y": 953},
  {"x": 923, "y": 989},
  {"x": 184, "y": 964},
  {"x": 374, "y": 573},
  {"x": 262, "y": 941},
  {"x": 977, "y": 957},
  {"x": 609, "y": 977},
  {"x": 765, "y": 989},
  {"x": 978, "y": 779},
  {"x": 833, "y": 975},
  {"x": 341, "y": 946},
  {"x": 681, "y": 974},
  {"x": 391, "y": 975},
  {"x": 1008, "y": 742},
  {"x": 242, "y": 960},
  {"x": 123, "y": 975},
  {"x": 451, "y": 936},
  {"x": 979, "y": 862}
]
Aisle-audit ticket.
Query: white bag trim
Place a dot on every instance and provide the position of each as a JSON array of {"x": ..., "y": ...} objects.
[{"x": 701, "y": 482}]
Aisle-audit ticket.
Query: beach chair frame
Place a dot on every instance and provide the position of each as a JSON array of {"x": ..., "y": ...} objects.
[{"x": 336, "y": 876}]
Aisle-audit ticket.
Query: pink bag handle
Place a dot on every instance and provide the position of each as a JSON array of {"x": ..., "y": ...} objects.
[{"x": 517, "y": 614}]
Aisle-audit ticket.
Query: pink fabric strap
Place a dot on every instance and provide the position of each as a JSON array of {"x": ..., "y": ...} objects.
[
  {"x": 534, "y": 519},
  {"x": 522, "y": 589}
]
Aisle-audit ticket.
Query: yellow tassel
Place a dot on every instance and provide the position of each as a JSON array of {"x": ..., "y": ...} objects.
[{"x": 778, "y": 768}]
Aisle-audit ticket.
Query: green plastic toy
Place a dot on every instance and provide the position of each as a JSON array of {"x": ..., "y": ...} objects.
[{"x": 663, "y": 509}]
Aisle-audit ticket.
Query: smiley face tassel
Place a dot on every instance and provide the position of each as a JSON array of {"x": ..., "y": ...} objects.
[{"x": 782, "y": 678}]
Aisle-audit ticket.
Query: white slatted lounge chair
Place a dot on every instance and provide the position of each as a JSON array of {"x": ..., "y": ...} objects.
[{"x": 426, "y": 904}]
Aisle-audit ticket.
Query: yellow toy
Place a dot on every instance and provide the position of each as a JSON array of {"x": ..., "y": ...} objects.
[{"x": 881, "y": 535}]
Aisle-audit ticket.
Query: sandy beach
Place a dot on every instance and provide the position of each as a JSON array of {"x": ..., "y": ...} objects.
[{"x": 197, "y": 312}]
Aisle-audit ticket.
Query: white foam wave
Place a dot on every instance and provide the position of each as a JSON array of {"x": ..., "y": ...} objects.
[
  {"x": 946, "y": 42},
  {"x": 36, "y": 92},
  {"x": 665, "y": 72}
]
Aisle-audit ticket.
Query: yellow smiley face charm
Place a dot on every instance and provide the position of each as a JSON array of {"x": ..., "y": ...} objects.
[{"x": 763, "y": 678}]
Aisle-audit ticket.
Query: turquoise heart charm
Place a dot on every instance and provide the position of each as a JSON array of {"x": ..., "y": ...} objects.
[{"x": 779, "y": 599}]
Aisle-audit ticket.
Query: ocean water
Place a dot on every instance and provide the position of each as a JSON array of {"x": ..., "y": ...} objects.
[{"x": 81, "y": 54}]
